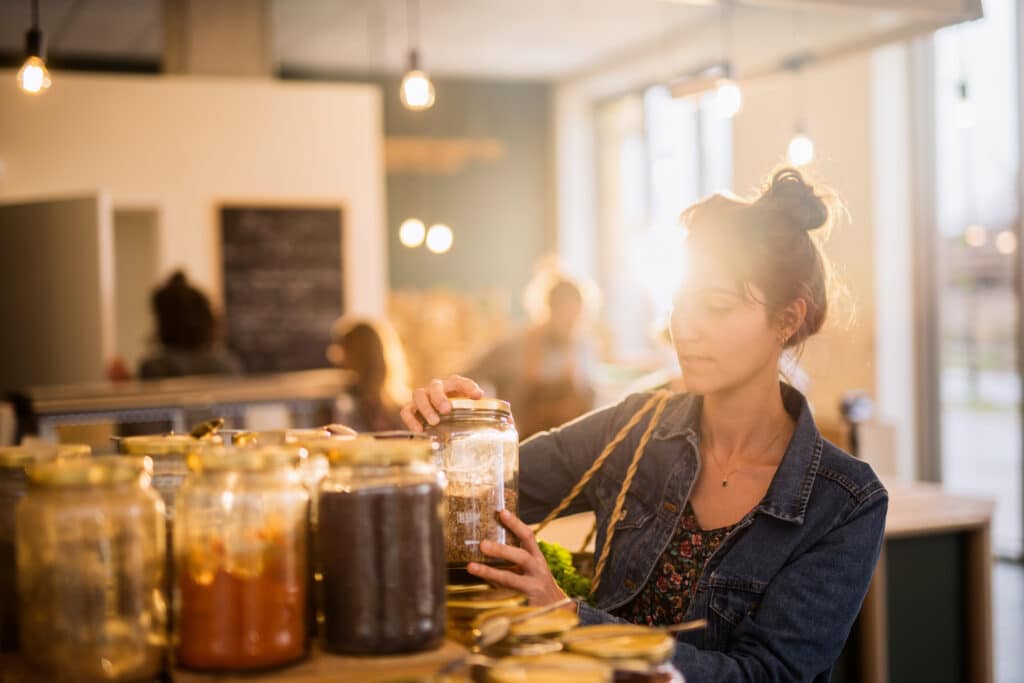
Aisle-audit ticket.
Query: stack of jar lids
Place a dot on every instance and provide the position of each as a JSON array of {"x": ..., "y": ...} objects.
[
  {"x": 626, "y": 647},
  {"x": 466, "y": 603},
  {"x": 558, "y": 667},
  {"x": 528, "y": 636}
]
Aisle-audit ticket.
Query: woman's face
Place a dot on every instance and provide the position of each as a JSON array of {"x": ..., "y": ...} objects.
[{"x": 723, "y": 337}]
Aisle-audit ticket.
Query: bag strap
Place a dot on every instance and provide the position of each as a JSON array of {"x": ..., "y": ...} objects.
[{"x": 655, "y": 403}]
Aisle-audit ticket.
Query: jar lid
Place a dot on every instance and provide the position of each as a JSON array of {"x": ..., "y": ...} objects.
[
  {"x": 163, "y": 444},
  {"x": 26, "y": 454},
  {"x": 474, "y": 599},
  {"x": 621, "y": 641},
  {"x": 493, "y": 405},
  {"x": 278, "y": 437},
  {"x": 546, "y": 624},
  {"x": 219, "y": 458},
  {"x": 73, "y": 450},
  {"x": 99, "y": 471},
  {"x": 367, "y": 450},
  {"x": 13, "y": 457},
  {"x": 522, "y": 647},
  {"x": 557, "y": 667}
]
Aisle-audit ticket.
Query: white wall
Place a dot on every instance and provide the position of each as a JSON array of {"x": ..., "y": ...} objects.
[
  {"x": 183, "y": 144},
  {"x": 838, "y": 119}
]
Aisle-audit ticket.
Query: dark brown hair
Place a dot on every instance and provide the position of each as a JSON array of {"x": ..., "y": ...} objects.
[
  {"x": 184, "y": 316},
  {"x": 767, "y": 243}
]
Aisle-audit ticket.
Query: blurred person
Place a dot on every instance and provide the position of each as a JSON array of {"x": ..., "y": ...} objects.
[
  {"x": 187, "y": 335},
  {"x": 545, "y": 371},
  {"x": 372, "y": 352},
  {"x": 721, "y": 502}
]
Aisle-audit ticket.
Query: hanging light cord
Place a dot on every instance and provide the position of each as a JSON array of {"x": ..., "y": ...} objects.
[
  {"x": 35, "y": 14},
  {"x": 413, "y": 29}
]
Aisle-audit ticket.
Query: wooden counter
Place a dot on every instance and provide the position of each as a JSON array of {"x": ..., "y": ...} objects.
[{"x": 318, "y": 668}]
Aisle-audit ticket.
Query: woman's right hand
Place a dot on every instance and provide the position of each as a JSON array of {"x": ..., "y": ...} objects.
[{"x": 431, "y": 401}]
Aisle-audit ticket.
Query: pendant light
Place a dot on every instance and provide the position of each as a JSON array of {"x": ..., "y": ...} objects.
[
  {"x": 440, "y": 238},
  {"x": 33, "y": 76},
  {"x": 417, "y": 90},
  {"x": 728, "y": 96},
  {"x": 800, "y": 150}
]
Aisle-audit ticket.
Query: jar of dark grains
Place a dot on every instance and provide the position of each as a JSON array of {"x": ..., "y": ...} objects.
[
  {"x": 90, "y": 554},
  {"x": 240, "y": 539},
  {"x": 479, "y": 456},
  {"x": 381, "y": 548}
]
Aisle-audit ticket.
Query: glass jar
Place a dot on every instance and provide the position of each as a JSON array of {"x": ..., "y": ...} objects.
[
  {"x": 240, "y": 539},
  {"x": 380, "y": 548},
  {"x": 479, "y": 456},
  {"x": 90, "y": 554}
]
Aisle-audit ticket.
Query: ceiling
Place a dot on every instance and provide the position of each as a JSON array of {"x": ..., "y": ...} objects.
[{"x": 523, "y": 39}]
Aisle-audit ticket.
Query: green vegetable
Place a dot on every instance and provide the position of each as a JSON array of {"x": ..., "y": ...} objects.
[{"x": 568, "y": 579}]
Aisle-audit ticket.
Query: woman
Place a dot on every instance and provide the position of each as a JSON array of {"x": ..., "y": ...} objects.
[
  {"x": 187, "y": 331},
  {"x": 372, "y": 352},
  {"x": 739, "y": 511},
  {"x": 545, "y": 370}
]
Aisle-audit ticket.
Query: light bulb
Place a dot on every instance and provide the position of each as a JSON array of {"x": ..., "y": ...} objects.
[
  {"x": 801, "y": 149},
  {"x": 1006, "y": 242},
  {"x": 975, "y": 235},
  {"x": 728, "y": 98},
  {"x": 33, "y": 77},
  {"x": 440, "y": 238},
  {"x": 417, "y": 91},
  {"x": 966, "y": 115},
  {"x": 412, "y": 232}
]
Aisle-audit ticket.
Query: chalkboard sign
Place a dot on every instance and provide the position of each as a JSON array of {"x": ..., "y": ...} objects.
[{"x": 282, "y": 284}]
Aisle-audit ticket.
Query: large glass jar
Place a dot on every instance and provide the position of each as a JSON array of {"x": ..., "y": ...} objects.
[
  {"x": 240, "y": 540},
  {"x": 380, "y": 548},
  {"x": 90, "y": 554},
  {"x": 13, "y": 485},
  {"x": 479, "y": 456}
]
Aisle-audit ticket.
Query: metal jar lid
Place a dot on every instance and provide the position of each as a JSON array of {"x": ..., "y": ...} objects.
[
  {"x": 218, "y": 458},
  {"x": 546, "y": 624},
  {"x": 367, "y": 450},
  {"x": 99, "y": 471},
  {"x": 491, "y": 405},
  {"x": 158, "y": 445},
  {"x": 13, "y": 457},
  {"x": 558, "y": 667},
  {"x": 621, "y": 642},
  {"x": 469, "y": 601}
]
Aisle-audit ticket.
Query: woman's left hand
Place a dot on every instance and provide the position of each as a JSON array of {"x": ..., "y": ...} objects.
[{"x": 533, "y": 578}]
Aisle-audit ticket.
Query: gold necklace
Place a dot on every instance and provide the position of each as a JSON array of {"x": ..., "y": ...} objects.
[{"x": 718, "y": 463}]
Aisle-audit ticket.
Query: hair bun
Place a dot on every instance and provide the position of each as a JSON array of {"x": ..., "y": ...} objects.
[{"x": 791, "y": 195}]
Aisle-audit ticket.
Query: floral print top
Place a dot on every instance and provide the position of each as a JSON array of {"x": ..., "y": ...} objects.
[{"x": 666, "y": 596}]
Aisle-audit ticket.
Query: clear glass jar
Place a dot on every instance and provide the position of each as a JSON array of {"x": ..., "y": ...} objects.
[
  {"x": 240, "y": 547},
  {"x": 90, "y": 554},
  {"x": 479, "y": 456},
  {"x": 381, "y": 548},
  {"x": 13, "y": 485}
]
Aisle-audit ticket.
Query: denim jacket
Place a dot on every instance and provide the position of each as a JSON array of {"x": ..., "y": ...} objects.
[{"x": 782, "y": 591}]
